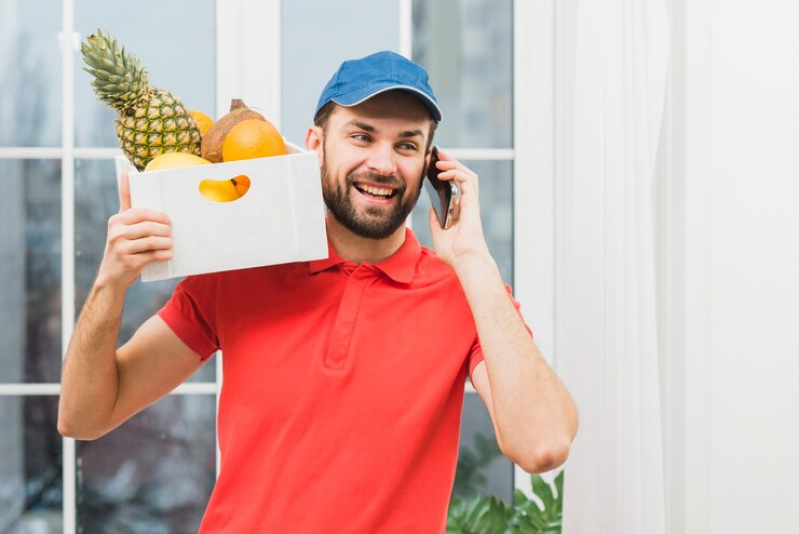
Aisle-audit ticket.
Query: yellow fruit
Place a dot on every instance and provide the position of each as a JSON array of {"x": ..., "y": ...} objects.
[
  {"x": 175, "y": 160},
  {"x": 252, "y": 139},
  {"x": 203, "y": 121},
  {"x": 241, "y": 183},
  {"x": 219, "y": 190}
]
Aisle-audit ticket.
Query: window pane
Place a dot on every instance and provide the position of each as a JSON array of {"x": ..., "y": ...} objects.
[
  {"x": 177, "y": 45},
  {"x": 482, "y": 468},
  {"x": 496, "y": 212},
  {"x": 30, "y": 268},
  {"x": 30, "y": 73},
  {"x": 30, "y": 465},
  {"x": 153, "y": 474},
  {"x": 467, "y": 47},
  {"x": 317, "y": 36},
  {"x": 96, "y": 199}
]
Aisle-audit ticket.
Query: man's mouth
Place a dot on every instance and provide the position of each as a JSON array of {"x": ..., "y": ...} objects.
[{"x": 375, "y": 191}]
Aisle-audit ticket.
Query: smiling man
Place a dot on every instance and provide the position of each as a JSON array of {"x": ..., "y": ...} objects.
[
  {"x": 385, "y": 200},
  {"x": 344, "y": 377}
]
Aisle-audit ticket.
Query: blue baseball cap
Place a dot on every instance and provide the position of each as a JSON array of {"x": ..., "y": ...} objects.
[{"x": 358, "y": 80}]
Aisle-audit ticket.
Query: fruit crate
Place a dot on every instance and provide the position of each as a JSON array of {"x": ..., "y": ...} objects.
[{"x": 280, "y": 219}]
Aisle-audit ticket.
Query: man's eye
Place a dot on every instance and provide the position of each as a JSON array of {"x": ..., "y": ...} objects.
[
  {"x": 407, "y": 146},
  {"x": 361, "y": 137}
]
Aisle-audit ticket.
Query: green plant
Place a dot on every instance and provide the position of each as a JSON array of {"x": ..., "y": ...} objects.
[{"x": 489, "y": 515}]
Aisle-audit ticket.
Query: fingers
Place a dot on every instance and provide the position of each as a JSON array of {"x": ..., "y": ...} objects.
[
  {"x": 139, "y": 231},
  {"x": 124, "y": 192},
  {"x": 452, "y": 169},
  {"x": 145, "y": 245},
  {"x": 137, "y": 215},
  {"x": 129, "y": 267},
  {"x": 136, "y": 237}
]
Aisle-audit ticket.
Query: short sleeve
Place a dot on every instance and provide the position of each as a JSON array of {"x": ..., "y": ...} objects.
[
  {"x": 476, "y": 354},
  {"x": 191, "y": 314}
]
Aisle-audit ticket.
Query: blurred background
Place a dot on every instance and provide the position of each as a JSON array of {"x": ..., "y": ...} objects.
[
  {"x": 155, "y": 473},
  {"x": 639, "y": 192}
]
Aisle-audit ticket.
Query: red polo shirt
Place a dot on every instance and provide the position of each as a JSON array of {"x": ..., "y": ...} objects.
[{"x": 343, "y": 386}]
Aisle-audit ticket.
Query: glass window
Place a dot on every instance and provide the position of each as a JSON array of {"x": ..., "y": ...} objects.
[
  {"x": 467, "y": 47},
  {"x": 177, "y": 45},
  {"x": 30, "y": 67},
  {"x": 496, "y": 212},
  {"x": 317, "y": 36},
  {"x": 30, "y": 267},
  {"x": 30, "y": 465},
  {"x": 154, "y": 473},
  {"x": 96, "y": 199},
  {"x": 482, "y": 468}
]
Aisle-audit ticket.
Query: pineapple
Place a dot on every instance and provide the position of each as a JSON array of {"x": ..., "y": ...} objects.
[{"x": 151, "y": 121}]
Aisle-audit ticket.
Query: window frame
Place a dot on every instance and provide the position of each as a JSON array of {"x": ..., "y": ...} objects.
[{"x": 249, "y": 33}]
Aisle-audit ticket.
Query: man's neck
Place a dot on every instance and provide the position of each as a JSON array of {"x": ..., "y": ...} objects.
[{"x": 357, "y": 249}]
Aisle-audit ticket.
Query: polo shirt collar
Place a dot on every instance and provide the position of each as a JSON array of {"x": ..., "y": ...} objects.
[{"x": 400, "y": 266}]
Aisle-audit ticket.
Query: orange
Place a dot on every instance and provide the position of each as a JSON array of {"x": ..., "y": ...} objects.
[
  {"x": 252, "y": 139},
  {"x": 203, "y": 121}
]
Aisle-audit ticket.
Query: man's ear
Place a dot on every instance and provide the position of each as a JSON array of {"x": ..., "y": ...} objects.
[
  {"x": 427, "y": 158},
  {"x": 314, "y": 141}
]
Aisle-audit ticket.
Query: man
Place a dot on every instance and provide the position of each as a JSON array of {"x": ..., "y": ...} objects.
[{"x": 344, "y": 377}]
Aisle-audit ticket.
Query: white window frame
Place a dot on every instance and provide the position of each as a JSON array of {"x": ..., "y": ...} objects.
[
  {"x": 533, "y": 176},
  {"x": 249, "y": 33}
]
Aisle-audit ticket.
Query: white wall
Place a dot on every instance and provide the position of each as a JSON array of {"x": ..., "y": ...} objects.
[
  {"x": 755, "y": 267},
  {"x": 730, "y": 268}
]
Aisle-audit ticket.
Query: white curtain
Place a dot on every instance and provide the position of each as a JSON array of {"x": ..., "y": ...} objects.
[{"x": 611, "y": 64}]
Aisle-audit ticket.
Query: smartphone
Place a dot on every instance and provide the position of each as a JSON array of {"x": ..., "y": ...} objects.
[{"x": 443, "y": 193}]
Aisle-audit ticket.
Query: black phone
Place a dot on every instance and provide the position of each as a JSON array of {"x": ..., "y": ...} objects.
[{"x": 443, "y": 193}]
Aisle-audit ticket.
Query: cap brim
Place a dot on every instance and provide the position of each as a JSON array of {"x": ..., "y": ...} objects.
[{"x": 356, "y": 97}]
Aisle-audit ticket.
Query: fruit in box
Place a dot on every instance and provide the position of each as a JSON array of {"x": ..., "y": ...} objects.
[
  {"x": 204, "y": 122},
  {"x": 214, "y": 138},
  {"x": 253, "y": 139},
  {"x": 224, "y": 190},
  {"x": 151, "y": 121},
  {"x": 175, "y": 160}
]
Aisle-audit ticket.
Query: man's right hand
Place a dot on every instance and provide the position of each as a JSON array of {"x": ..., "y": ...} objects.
[
  {"x": 136, "y": 237},
  {"x": 102, "y": 385}
]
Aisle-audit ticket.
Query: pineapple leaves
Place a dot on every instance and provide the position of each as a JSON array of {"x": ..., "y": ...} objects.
[
  {"x": 119, "y": 80},
  {"x": 151, "y": 121}
]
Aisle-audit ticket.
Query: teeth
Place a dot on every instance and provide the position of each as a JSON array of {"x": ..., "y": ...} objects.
[{"x": 376, "y": 191}]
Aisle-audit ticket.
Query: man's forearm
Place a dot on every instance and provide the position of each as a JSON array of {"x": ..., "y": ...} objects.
[
  {"x": 535, "y": 416},
  {"x": 89, "y": 377}
]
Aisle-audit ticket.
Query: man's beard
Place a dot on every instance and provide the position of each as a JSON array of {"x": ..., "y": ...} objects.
[{"x": 376, "y": 222}]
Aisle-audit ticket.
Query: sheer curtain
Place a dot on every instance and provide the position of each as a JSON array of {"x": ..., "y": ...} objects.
[{"x": 611, "y": 67}]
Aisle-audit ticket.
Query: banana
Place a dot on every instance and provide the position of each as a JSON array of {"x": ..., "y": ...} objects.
[
  {"x": 242, "y": 183},
  {"x": 219, "y": 190}
]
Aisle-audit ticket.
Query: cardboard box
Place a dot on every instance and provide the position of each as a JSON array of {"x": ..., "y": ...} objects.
[{"x": 281, "y": 218}]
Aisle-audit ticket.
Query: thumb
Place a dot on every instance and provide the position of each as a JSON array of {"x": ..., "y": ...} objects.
[{"x": 124, "y": 192}]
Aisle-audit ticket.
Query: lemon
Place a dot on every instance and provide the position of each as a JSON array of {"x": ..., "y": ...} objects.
[{"x": 175, "y": 160}]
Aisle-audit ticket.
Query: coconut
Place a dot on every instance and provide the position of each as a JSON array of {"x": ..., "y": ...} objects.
[{"x": 214, "y": 138}]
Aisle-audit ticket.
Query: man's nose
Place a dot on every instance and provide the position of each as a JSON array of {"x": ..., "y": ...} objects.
[{"x": 382, "y": 160}]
